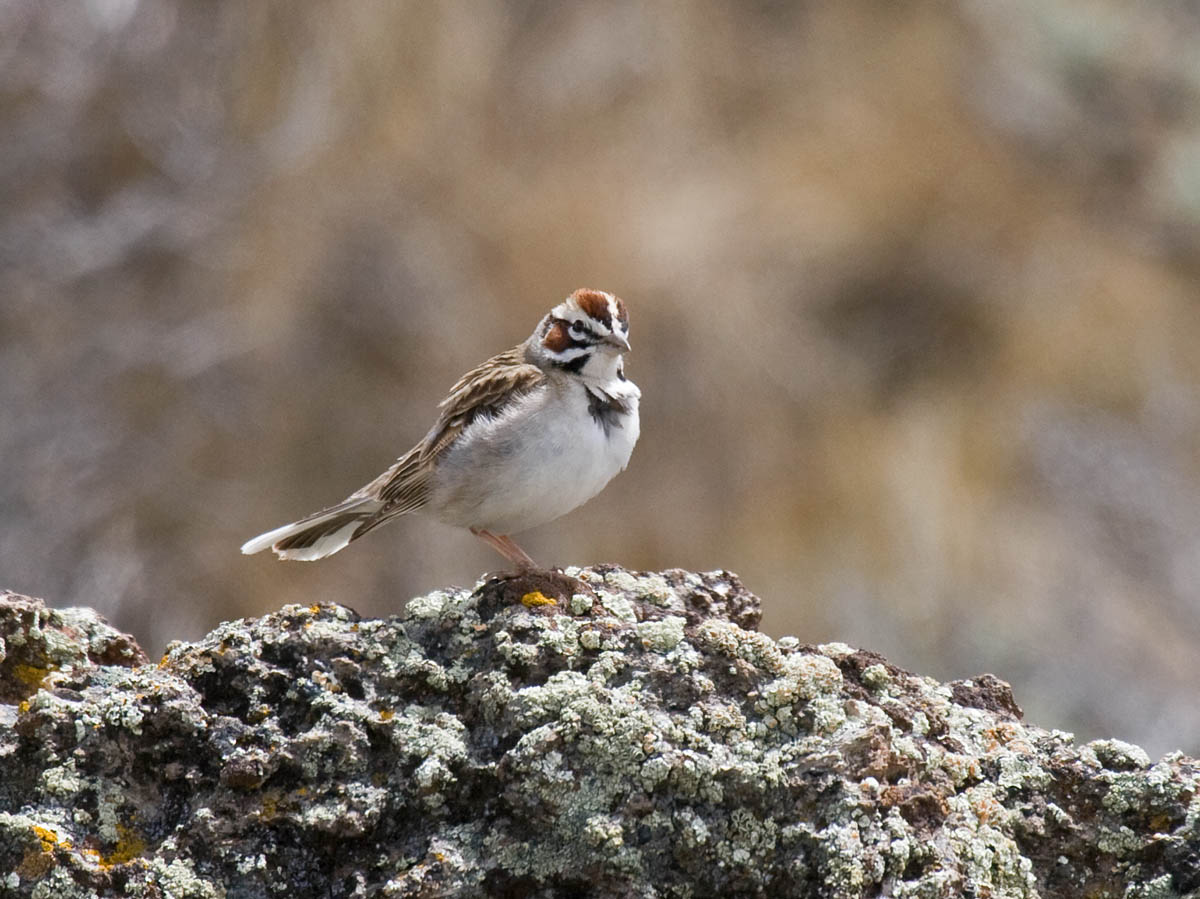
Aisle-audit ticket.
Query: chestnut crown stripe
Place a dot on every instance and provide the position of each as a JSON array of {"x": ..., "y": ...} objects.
[{"x": 594, "y": 305}]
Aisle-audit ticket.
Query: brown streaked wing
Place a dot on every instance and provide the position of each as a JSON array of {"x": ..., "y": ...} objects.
[
  {"x": 485, "y": 390},
  {"x": 404, "y": 487}
]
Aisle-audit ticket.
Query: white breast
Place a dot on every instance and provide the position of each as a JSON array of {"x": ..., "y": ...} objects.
[{"x": 538, "y": 460}]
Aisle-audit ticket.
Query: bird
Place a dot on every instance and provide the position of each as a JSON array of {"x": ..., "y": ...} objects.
[{"x": 520, "y": 440}]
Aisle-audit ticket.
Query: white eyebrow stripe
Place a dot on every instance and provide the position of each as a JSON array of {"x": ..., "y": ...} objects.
[{"x": 572, "y": 352}]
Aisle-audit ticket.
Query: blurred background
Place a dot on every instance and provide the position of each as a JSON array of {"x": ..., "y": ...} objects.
[{"x": 915, "y": 299}]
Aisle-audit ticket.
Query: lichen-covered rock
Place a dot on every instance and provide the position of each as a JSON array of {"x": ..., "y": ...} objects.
[
  {"x": 637, "y": 738},
  {"x": 35, "y": 641}
]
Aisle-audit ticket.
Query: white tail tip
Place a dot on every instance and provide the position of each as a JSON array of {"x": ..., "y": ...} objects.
[{"x": 327, "y": 544}]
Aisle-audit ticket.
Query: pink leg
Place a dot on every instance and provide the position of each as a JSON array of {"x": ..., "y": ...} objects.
[
  {"x": 506, "y": 547},
  {"x": 519, "y": 555}
]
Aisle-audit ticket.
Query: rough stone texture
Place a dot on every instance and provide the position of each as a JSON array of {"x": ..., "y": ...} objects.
[{"x": 640, "y": 739}]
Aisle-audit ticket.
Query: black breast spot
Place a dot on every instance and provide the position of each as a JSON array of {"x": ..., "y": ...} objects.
[{"x": 606, "y": 410}]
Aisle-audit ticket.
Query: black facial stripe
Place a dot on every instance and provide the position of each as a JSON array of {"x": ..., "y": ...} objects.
[
  {"x": 585, "y": 333},
  {"x": 586, "y": 339},
  {"x": 575, "y": 366}
]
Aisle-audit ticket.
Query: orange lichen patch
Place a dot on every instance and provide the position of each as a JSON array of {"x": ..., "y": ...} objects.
[
  {"x": 986, "y": 807},
  {"x": 537, "y": 598},
  {"x": 315, "y": 609},
  {"x": 386, "y": 714},
  {"x": 1000, "y": 735},
  {"x": 23, "y": 707}
]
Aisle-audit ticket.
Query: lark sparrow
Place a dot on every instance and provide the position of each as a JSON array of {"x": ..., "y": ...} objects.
[{"x": 522, "y": 439}]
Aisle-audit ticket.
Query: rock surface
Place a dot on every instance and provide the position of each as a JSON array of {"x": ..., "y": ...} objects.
[{"x": 638, "y": 740}]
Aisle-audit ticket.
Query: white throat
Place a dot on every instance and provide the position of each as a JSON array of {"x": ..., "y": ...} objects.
[{"x": 601, "y": 368}]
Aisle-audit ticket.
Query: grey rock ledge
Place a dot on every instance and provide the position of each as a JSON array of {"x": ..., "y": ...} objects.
[{"x": 643, "y": 741}]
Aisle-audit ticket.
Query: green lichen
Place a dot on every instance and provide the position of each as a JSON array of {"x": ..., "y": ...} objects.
[
  {"x": 639, "y": 745},
  {"x": 1019, "y": 772},
  {"x": 663, "y": 635},
  {"x": 178, "y": 879},
  {"x": 876, "y": 677},
  {"x": 1116, "y": 755},
  {"x": 618, "y": 605},
  {"x": 1158, "y": 888}
]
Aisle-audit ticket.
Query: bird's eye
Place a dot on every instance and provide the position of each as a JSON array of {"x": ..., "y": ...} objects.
[{"x": 577, "y": 328}]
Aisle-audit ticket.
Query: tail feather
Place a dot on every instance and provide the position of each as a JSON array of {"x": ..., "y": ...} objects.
[{"x": 319, "y": 535}]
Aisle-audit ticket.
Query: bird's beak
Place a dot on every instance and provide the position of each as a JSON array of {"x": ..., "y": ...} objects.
[{"x": 619, "y": 341}]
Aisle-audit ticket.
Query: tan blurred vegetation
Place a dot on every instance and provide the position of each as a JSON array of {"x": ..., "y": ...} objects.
[{"x": 914, "y": 291}]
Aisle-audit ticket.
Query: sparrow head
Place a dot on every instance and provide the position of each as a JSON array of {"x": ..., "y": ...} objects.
[{"x": 587, "y": 328}]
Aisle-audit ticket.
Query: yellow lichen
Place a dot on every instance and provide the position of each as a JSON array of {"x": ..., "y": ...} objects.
[
  {"x": 537, "y": 598},
  {"x": 49, "y": 838},
  {"x": 31, "y": 675},
  {"x": 386, "y": 714},
  {"x": 38, "y": 860},
  {"x": 130, "y": 845}
]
